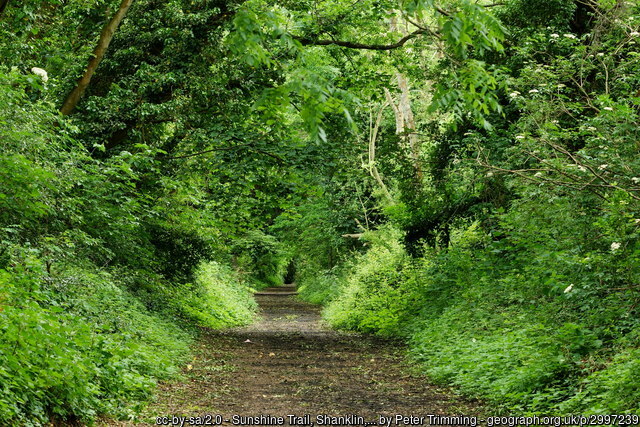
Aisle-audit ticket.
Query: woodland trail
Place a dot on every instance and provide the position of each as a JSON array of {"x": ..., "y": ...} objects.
[{"x": 288, "y": 362}]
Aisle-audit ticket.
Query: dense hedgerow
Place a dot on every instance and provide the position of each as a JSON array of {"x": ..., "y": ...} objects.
[
  {"x": 501, "y": 329},
  {"x": 77, "y": 345},
  {"x": 90, "y": 315},
  {"x": 378, "y": 294},
  {"x": 219, "y": 298}
]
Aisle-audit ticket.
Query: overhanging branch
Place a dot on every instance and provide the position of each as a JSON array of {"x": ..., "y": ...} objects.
[
  {"x": 249, "y": 147},
  {"x": 357, "y": 45}
]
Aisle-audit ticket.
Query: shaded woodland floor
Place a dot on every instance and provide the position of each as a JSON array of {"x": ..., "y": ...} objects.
[{"x": 288, "y": 362}]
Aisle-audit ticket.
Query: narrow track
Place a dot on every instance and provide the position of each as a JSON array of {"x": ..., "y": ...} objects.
[{"x": 290, "y": 363}]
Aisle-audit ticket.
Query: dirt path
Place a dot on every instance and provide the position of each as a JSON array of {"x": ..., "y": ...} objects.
[{"x": 289, "y": 363}]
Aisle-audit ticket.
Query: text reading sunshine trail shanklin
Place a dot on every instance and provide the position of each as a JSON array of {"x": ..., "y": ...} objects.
[{"x": 398, "y": 420}]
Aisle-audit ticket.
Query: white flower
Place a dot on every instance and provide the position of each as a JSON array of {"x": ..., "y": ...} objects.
[
  {"x": 534, "y": 91},
  {"x": 603, "y": 167},
  {"x": 555, "y": 122},
  {"x": 520, "y": 137},
  {"x": 635, "y": 180},
  {"x": 608, "y": 108},
  {"x": 514, "y": 94},
  {"x": 489, "y": 174},
  {"x": 637, "y": 220},
  {"x": 582, "y": 168},
  {"x": 568, "y": 288},
  {"x": 634, "y": 34},
  {"x": 561, "y": 85},
  {"x": 555, "y": 36},
  {"x": 591, "y": 128},
  {"x": 569, "y": 36},
  {"x": 40, "y": 72},
  {"x": 600, "y": 54},
  {"x": 615, "y": 246}
]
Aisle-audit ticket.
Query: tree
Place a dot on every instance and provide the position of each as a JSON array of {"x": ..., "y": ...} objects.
[{"x": 98, "y": 53}]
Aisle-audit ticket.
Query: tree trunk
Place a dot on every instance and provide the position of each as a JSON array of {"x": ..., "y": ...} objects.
[
  {"x": 3, "y": 5},
  {"x": 373, "y": 170},
  {"x": 98, "y": 53},
  {"x": 405, "y": 124},
  {"x": 409, "y": 128}
]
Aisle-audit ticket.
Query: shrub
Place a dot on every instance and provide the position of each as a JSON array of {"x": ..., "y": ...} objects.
[
  {"x": 262, "y": 258},
  {"x": 379, "y": 294},
  {"x": 77, "y": 345},
  {"x": 218, "y": 297}
]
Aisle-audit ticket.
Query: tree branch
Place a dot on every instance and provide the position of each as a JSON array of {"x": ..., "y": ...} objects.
[
  {"x": 247, "y": 146},
  {"x": 306, "y": 41},
  {"x": 199, "y": 153},
  {"x": 98, "y": 53},
  {"x": 365, "y": 46},
  {"x": 373, "y": 135}
]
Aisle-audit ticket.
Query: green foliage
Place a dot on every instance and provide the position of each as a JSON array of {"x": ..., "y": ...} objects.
[
  {"x": 472, "y": 28},
  {"x": 321, "y": 287},
  {"x": 494, "y": 320},
  {"x": 537, "y": 13},
  {"x": 469, "y": 91},
  {"x": 25, "y": 131},
  {"x": 379, "y": 293},
  {"x": 612, "y": 389},
  {"x": 520, "y": 281},
  {"x": 218, "y": 298},
  {"x": 310, "y": 81},
  {"x": 519, "y": 338},
  {"x": 91, "y": 268},
  {"x": 262, "y": 258},
  {"x": 499, "y": 236},
  {"x": 178, "y": 252},
  {"x": 85, "y": 353}
]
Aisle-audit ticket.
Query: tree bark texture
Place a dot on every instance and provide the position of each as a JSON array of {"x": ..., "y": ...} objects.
[
  {"x": 405, "y": 123},
  {"x": 98, "y": 53}
]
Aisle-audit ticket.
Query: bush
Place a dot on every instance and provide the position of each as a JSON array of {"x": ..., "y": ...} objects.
[
  {"x": 322, "y": 287},
  {"x": 524, "y": 326},
  {"x": 612, "y": 390},
  {"x": 218, "y": 297},
  {"x": 378, "y": 295},
  {"x": 90, "y": 349},
  {"x": 262, "y": 258}
]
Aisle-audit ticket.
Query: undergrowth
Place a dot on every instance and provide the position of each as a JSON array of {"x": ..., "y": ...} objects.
[
  {"x": 77, "y": 343},
  {"x": 498, "y": 327}
]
